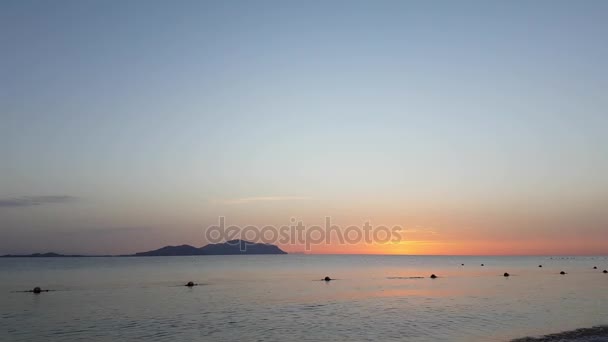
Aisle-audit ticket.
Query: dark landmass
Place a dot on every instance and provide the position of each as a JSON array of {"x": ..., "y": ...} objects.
[
  {"x": 233, "y": 247},
  {"x": 172, "y": 251},
  {"x": 42, "y": 255},
  {"x": 240, "y": 247},
  {"x": 595, "y": 334}
]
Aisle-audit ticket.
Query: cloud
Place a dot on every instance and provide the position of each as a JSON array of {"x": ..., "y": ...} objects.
[
  {"x": 28, "y": 201},
  {"x": 421, "y": 230},
  {"x": 107, "y": 230},
  {"x": 264, "y": 199}
]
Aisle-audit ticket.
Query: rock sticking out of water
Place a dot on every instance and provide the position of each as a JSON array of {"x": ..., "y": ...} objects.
[{"x": 433, "y": 276}]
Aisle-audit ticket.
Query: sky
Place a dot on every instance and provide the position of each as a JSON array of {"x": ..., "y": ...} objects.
[{"x": 480, "y": 127}]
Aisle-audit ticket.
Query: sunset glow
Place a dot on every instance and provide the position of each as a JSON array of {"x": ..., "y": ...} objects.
[{"x": 478, "y": 134}]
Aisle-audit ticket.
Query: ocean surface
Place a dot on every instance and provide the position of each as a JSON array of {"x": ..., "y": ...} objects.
[{"x": 281, "y": 298}]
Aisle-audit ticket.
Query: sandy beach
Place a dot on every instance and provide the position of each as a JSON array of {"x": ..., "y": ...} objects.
[{"x": 595, "y": 334}]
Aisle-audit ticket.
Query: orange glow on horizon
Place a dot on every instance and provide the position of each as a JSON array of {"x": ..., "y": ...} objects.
[{"x": 428, "y": 247}]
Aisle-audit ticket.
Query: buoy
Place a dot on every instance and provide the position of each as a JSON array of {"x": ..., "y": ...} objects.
[
  {"x": 506, "y": 274},
  {"x": 327, "y": 278},
  {"x": 433, "y": 276},
  {"x": 190, "y": 284},
  {"x": 562, "y": 272},
  {"x": 37, "y": 290}
]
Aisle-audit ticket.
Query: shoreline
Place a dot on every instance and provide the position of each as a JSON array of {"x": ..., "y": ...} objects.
[{"x": 593, "y": 334}]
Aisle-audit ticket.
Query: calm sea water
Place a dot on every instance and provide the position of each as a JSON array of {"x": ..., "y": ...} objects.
[{"x": 281, "y": 298}]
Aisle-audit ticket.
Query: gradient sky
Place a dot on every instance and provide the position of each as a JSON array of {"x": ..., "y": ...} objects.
[{"x": 481, "y": 127}]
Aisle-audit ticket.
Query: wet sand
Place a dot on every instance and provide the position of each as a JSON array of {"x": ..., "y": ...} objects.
[{"x": 595, "y": 334}]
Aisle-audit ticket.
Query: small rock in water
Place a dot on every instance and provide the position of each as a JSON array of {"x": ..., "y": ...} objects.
[
  {"x": 433, "y": 276},
  {"x": 37, "y": 290},
  {"x": 482, "y": 265},
  {"x": 506, "y": 274},
  {"x": 190, "y": 284},
  {"x": 540, "y": 265},
  {"x": 595, "y": 267},
  {"x": 562, "y": 272},
  {"x": 605, "y": 271},
  {"x": 327, "y": 278}
]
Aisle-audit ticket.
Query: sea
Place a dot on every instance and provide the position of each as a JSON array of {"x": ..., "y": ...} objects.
[{"x": 282, "y": 298}]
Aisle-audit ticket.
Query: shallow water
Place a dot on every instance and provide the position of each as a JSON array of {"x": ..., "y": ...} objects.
[{"x": 281, "y": 298}]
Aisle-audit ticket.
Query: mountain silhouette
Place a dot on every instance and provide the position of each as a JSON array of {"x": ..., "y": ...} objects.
[
  {"x": 232, "y": 247},
  {"x": 172, "y": 251},
  {"x": 41, "y": 255}
]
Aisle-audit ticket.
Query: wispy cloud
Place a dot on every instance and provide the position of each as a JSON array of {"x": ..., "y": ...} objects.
[
  {"x": 421, "y": 230},
  {"x": 263, "y": 199},
  {"x": 28, "y": 201},
  {"x": 107, "y": 230}
]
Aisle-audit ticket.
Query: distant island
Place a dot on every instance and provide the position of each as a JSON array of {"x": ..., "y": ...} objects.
[
  {"x": 232, "y": 247},
  {"x": 42, "y": 255}
]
